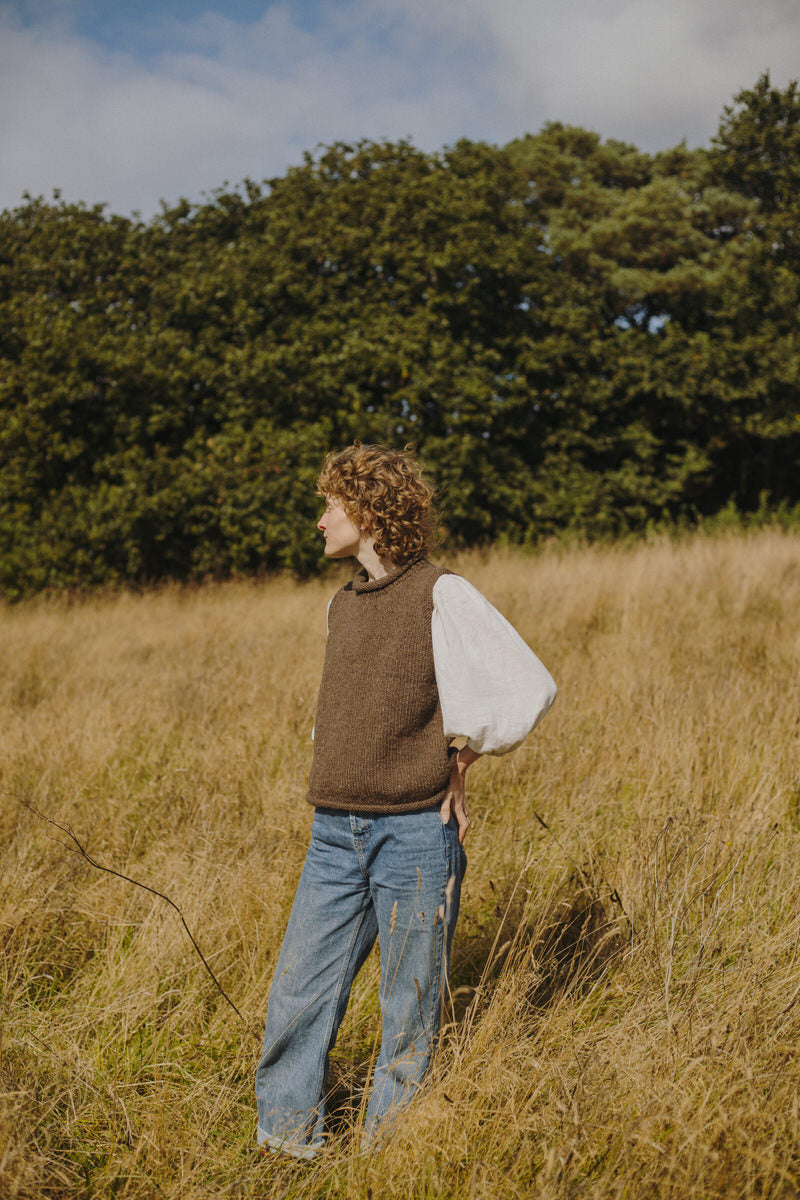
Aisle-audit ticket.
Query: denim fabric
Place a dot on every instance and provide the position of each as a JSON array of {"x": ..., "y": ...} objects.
[{"x": 394, "y": 876}]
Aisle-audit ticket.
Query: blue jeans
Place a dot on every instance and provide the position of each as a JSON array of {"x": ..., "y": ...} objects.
[{"x": 394, "y": 876}]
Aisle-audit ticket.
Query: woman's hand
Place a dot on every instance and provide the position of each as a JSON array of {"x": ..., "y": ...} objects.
[{"x": 455, "y": 801}]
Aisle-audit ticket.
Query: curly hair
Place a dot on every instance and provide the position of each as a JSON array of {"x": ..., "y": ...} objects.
[{"x": 383, "y": 491}]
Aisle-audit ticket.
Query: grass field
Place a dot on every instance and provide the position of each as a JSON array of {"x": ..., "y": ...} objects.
[{"x": 626, "y": 976}]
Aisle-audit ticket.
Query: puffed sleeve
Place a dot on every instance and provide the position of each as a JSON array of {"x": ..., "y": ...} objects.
[{"x": 492, "y": 687}]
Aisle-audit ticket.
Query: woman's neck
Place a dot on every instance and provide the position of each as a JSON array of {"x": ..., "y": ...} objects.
[{"x": 376, "y": 565}]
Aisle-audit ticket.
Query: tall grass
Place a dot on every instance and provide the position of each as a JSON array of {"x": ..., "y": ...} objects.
[{"x": 625, "y": 985}]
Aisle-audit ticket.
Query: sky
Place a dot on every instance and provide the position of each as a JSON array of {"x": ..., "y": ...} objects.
[{"x": 135, "y": 104}]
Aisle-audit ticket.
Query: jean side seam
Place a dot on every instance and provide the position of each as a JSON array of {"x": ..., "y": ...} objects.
[{"x": 440, "y": 947}]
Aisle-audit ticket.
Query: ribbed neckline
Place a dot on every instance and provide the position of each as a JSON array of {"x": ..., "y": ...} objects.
[{"x": 363, "y": 583}]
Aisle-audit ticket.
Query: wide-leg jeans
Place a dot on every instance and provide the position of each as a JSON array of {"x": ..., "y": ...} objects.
[{"x": 394, "y": 876}]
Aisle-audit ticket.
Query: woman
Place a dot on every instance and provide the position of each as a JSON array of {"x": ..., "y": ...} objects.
[{"x": 416, "y": 659}]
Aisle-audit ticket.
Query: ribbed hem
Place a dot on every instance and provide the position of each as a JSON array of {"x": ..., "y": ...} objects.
[{"x": 356, "y": 804}]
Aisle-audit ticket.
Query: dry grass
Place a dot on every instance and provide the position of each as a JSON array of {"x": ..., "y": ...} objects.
[{"x": 626, "y": 988}]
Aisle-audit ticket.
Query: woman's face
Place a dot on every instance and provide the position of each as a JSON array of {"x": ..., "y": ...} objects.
[{"x": 342, "y": 535}]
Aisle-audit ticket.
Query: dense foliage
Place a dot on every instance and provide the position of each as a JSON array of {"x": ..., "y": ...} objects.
[{"x": 574, "y": 333}]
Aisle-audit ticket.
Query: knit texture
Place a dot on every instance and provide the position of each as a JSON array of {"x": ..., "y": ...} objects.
[{"x": 379, "y": 743}]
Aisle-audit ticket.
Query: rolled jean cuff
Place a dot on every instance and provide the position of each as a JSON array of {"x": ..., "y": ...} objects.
[{"x": 285, "y": 1145}]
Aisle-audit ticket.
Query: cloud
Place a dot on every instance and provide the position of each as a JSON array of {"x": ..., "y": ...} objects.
[
  {"x": 216, "y": 100},
  {"x": 648, "y": 71},
  {"x": 220, "y": 102}
]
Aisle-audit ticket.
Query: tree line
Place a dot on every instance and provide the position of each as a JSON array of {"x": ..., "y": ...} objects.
[{"x": 574, "y": 333}]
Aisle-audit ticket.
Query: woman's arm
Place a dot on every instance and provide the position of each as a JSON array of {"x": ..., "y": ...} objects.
[{"x": 492, "y": 688}]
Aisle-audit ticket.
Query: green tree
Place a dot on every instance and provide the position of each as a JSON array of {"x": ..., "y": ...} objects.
[{"x": 572, "y": 332}]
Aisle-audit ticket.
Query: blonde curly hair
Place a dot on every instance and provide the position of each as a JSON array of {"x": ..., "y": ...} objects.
[{"x": 383, "y": 491}]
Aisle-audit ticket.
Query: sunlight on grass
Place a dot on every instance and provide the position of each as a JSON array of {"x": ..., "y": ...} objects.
[{"x": 625, "y": 987}]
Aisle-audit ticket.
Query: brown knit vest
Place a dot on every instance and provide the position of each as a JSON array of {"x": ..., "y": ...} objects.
[{"x": 379, "y": 743}]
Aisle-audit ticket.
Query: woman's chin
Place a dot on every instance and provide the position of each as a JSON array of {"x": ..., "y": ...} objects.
[{"x": 334, "y": 551}]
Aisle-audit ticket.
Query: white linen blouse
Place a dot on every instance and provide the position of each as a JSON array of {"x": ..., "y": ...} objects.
[{"x": 492, "y": 688}]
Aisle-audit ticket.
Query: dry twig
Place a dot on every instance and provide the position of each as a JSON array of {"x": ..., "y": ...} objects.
[{"x": 68, "y": 830}]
